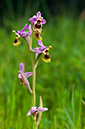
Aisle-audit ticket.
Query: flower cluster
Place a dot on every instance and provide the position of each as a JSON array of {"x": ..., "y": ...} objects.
[
  {"x": 35, "y": 29},
  {"x": 30, "y": 31}
]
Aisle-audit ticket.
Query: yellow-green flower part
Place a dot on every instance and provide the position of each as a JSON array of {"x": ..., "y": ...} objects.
[
  {"x": 37, "y": 35},
  {"x": 17, "y": 39},
  {"x": 46, "y": 57}
]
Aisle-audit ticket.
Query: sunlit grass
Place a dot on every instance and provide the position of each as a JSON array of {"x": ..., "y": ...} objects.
[{"x": 61, "y": 83}]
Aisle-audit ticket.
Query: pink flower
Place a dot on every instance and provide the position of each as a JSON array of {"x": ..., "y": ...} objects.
[
  {"x": 37, "y": 17},
  {"x": 23, "y": 77},
  {"x": 23, "y": 33},
  {"x": 42, "y": 49},
  {"x": 35, "y": 110}
]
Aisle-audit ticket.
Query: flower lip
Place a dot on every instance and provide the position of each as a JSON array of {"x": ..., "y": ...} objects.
[
  {"x": 17, "y": 39},
  {"x": 46, "y": 57},
  {"x": 38, "y": 25},
  {"x": 37, "y": 35},
  {"x": 46, "y": 49}
]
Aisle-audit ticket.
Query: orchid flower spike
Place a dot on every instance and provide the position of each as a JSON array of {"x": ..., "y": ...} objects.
[
  {"x": 23, "y": 77},
  {"x": 42, "y": 49},
  {"x": 35, "y": 110},
  {"x": 22, "y": 33}
]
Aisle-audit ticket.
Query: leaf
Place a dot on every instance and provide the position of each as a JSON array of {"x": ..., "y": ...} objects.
[{"x": 69, "y": 118}]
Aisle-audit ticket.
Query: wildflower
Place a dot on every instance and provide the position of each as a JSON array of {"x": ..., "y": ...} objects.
[
  {"x": 22, "y": 33},
  {"x": 35, "y": 110},
  {"x": 23, "y": 77},
  {"x": 37, "y": 20},
  {"x": 44, "y": 50}
]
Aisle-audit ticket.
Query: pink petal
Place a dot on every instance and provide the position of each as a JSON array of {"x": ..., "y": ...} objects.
[
  {"x": 28, "y": 74},
  {"x": 26, "y": 82},
  {"x": 25, "y": 27},
  {"x": 29, "y": 113},
  {"x": 33, "y": 19},
  {"x": 22, "y": 67},
  {"x": 38, "y": 14},
  {"x": 19, "y": 76},
  {"x": 43, "y": 21},
  {"x": 42, "y": 109},
  {"x": 40, "y": 43},
  {"x": 30, "y": 28}
]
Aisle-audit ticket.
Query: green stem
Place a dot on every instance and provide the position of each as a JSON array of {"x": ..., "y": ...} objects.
[
  {"x": 34, "y": 74},
  {"x": 34, "y": 125},
  {"x": 33, "y": 85},
  {"x": 33, "y": 81}
]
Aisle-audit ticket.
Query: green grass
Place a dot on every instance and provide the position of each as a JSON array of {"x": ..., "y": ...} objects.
[{"x": 61, "y": 83}]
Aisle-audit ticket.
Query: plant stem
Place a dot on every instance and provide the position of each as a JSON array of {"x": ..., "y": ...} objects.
[
  {"x": 34, "y": 74},
  {"x": 34, "y": 125},
  {"x": 33, "y": 81},
  {"x": 33, "y": 85}
]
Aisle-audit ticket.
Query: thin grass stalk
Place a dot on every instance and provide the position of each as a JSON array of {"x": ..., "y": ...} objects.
[{"x": 55, "y": 122}]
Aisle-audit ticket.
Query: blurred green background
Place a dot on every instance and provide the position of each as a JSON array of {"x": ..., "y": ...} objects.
[{"x": 61, "y": 83}]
